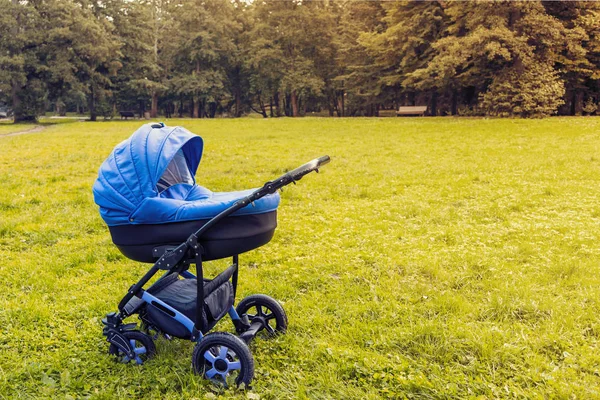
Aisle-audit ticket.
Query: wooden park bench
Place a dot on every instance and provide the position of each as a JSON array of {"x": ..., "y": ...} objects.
[
  {"x": 127, "y": 114},
  {"x": 411, "y": 110}
]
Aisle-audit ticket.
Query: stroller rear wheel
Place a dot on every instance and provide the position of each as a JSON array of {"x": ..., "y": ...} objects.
[
  {"x": 224, "y": 359},
  {"x": 142, "y": 344},
  {"x": 260, "y": 306}
]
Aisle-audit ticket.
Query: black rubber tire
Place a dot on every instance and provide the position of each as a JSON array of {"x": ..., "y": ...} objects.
[
  {"x": 275, "y": 312},
  {"x": 139, "y": 337},
  {"x": 237, "y": 351}
]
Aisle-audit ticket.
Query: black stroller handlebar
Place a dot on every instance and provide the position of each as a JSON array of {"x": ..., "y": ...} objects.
[
  {"x": 295, "y": 174},
  {"x": 268, "y": 188},
  {"x": 310, "y": 166}
]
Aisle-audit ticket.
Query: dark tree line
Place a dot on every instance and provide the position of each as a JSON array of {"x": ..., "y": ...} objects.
[{"x": 203, "y": 58}]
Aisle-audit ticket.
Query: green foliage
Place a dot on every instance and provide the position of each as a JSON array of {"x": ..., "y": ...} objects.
[
  {"x": 535, "y": 92},
  {"x": 287, "y": 42},
  {"x": 209, "y": 57},
  {"x": 359, "y": 82},
  {"x": 590, "y": 107},
  {"x": 433, "y": 258},
  {"x": 406, "y": 43}
]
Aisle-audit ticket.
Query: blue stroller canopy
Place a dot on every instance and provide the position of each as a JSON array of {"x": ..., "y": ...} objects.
[{"x": 149, "y": 179}]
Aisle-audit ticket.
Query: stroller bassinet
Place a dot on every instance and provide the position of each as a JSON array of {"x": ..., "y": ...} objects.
[{"x": 149, "y": 198}]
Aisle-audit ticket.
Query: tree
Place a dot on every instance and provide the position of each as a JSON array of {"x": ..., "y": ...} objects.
[
  {"x": 19, "y": 65},
  {"x": 489, "y": 47},
  {"x": 202, "y": 44},
  {"x": 404, "y": 47},
  {"x": 283, "y": 49},
  {"x": 139, "y": 25},
  {"x": 358, "y": 86},
  {"x": 579, "y": 57}
]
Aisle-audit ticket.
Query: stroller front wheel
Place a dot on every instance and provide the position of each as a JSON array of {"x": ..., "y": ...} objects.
[
  {"x": 142, "y": 345},
  {"x": 267, "y": 310},
  {"x": 224, "y": 359}
]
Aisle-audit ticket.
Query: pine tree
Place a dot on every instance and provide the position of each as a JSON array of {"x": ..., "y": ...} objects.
[
  {"x": 202, "y": 42},
  {"x": 405, "y": 46},
  {"x": 359, "y": 88},
  {"x": 138, "y": 24},
  {"x": 283, "y": 49}
]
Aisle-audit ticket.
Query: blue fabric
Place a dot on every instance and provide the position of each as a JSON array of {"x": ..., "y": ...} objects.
[{"x": 126, "y": 186}]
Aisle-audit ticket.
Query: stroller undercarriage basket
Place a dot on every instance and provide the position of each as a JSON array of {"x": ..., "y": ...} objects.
[{"x": 181, "y": 295}]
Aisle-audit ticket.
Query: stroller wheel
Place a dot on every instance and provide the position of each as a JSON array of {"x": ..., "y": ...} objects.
[
  {"x": 223, "y": 359},
  {"x": 143, "y": 347},
  {"x": 262, "y": 306}
]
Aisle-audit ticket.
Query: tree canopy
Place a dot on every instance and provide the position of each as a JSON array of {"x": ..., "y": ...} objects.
[{"x": 205, "y": 58}]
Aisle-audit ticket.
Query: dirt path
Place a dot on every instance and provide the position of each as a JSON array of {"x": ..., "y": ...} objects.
[{"x": 35, "y": 129}]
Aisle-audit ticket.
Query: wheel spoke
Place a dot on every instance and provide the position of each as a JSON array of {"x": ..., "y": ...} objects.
[
  {"x": 235, "y": 365},
  {"x": 138, "y": 360},
  {"x": 269, "y": 328},
  {"x": 269, "y": 316},
  {"x": 260, "y": 310},
  {"x": 125, "y": 359},
  {"x": 251, "y": 316},
  {"x": 223, "y": 352},
  {"x": 224, "y": 378},
  {"x": 139, "y": 350},
  {"x": 209, "y": 356},
  {"x": 211, "y": 373}
]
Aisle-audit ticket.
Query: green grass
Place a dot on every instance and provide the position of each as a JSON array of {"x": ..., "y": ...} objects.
[
  {"x": 8, "y": 127},
  {"x": 433, "y": 258}
]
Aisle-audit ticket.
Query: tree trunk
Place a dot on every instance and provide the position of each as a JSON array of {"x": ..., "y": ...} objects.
[
  {"x": 238, "y": 102},
  {"x": 577, "y": 102},
  {"x": 92, "y": 104},
  {"x": 263, "y": 109},
  {"x": 154, "y": 106},
  {"x": 195, "y": 107},
  {"x": 454, "y": 104},
  {"x": 277, "y": 104},
  {"x": 16, "y": 101},
  {"x": 15, "y": 87},
  {"x": 294, "y": 103},
  {"x": 212, "y": 109},
  {"x": 286, "y": 106},
  {"x": 433, "y": 104}
]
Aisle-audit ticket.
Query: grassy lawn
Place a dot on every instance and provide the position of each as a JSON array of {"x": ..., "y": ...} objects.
[
  {"x": 433, "y": 258},
  {"x": 8, "y": 127}
]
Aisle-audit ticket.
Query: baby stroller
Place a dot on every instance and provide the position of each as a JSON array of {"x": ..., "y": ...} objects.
[{"x": 156, "y": 213}]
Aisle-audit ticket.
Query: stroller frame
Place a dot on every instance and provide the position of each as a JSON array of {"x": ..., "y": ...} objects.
[{"x": 178, "y": 260}]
